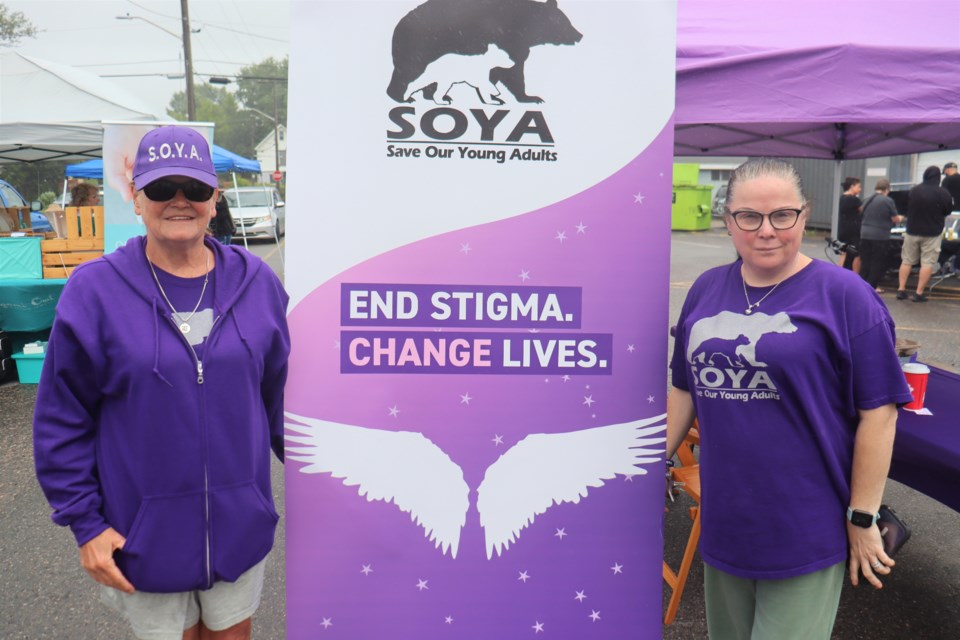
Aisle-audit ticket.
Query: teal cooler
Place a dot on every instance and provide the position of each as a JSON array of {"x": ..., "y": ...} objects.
[
  {"x": 29, "y": 367},
  {"x": 691, "y": 207},
  {"x": 20, "y": 258}
]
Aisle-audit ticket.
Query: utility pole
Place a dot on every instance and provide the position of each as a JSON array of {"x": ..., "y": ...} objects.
[{"x": 188, "y": 61}]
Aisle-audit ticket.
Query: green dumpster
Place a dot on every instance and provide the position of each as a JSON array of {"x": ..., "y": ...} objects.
[{"x": 691, "y": 207}]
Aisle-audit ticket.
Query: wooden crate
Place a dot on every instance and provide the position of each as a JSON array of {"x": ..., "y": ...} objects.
[{"x": 84, "y": 241}]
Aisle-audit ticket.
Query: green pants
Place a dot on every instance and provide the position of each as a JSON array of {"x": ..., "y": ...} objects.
[{"x": 800, "y": 608}]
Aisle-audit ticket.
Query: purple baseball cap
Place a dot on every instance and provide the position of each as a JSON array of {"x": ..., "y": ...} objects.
[{"x": 173, "y": 151}]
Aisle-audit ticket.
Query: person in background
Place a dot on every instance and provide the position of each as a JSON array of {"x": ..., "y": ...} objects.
[
  {"x": 85, "y": 195},
  {"x": 160, "y": 399},
  {"x": 848, "y": 225},
  {"x": 879, "y": 216},
  {"x": 223, "y": 226},
  {"x": 797, "y": 433},
  {"x": 951, "y": 182},
  {"x": 927, "y": 208}
]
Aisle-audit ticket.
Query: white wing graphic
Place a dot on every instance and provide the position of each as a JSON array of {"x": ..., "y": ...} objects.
[
  {"x": 546, "y": 469},
  {"x": 394, "y": 466}
]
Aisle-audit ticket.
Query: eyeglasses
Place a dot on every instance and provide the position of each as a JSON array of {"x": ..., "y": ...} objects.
[
  {"x": 163, "y": 190},
  {"x": 781, "y": 219}
]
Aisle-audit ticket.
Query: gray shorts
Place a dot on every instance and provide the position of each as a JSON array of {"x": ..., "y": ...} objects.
[
  {"x": 165, "y": 616},
  {"x": 922, "y": 249}
]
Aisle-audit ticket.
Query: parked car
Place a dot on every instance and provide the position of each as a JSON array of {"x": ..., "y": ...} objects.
[
  {"x": 10, "y": 197},
  {"x": 719, "y": 201},
  {"x": 257, "y": 211}
]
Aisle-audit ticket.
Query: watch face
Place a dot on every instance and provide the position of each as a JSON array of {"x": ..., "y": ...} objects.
[{"x": 862, "y": 519}]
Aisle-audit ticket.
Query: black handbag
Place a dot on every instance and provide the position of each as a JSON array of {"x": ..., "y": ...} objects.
[{"x": 894, "y": 531}]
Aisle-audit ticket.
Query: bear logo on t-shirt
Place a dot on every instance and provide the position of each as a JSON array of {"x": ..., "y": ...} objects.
[
  {"x": 468, "y": 27},
  {"x": 734, "y": 334}
]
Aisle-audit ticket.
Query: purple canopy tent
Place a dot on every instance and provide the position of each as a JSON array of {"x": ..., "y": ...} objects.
[{"x": 818, "y": 78}]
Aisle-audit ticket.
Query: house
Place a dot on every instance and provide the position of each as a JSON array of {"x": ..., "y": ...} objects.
[{"x": 267, "y": 157}]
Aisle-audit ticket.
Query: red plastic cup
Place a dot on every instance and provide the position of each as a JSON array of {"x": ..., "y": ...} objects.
[{"x": 917, "y": 375}]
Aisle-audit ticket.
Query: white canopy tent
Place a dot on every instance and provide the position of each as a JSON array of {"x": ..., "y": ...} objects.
[{"x": 50, "y": 111}]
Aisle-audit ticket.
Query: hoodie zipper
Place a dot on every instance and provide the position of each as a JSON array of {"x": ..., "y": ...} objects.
[{"x": 206, "y": 475}]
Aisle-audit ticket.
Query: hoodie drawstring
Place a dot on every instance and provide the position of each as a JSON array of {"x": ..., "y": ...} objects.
[
  {"x": 243, "y": 338},
  {"x": 156, "y": 344}
]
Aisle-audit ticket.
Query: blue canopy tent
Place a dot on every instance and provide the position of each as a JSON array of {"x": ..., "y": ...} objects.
[{"x": 224, "y": 161}]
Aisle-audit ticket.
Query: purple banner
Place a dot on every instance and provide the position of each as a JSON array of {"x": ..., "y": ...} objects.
[
  {"x": 436, "y": 305},
  {"x": 468, "y": 352}
]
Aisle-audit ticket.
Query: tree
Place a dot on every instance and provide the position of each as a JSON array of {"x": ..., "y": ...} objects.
[
  {"x": 238, "y": 125},
  {"x": 13, "y": 27},
  {"x": 233, "y": 127}
]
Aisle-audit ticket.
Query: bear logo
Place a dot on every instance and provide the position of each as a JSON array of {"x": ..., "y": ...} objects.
[
  {"x": 453, "y": 68},
  {"x": 743, "y": 330},
  {"x": 437, "y": 28},
  {"x": 709, "y": 350}
]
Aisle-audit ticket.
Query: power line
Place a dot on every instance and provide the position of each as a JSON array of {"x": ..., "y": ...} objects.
[{"x": 211, "y": 25}]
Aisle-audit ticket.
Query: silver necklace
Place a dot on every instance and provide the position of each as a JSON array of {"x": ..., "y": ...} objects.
[
  {"x": 753, "y": 305},
  {"x": 184, "y": 323}
]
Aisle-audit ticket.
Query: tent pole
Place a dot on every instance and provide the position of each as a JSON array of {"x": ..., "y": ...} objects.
[{"x": 835, "y": 206}]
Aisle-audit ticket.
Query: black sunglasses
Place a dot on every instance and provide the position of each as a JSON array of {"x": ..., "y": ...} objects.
[{"x": 163, "y": 190}]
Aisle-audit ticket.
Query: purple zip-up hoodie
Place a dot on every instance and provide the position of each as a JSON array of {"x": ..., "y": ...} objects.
[{"x": 126, "y": 435}]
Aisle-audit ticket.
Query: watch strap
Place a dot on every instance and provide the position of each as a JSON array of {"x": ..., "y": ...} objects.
[{"x": 860, "y": 522}]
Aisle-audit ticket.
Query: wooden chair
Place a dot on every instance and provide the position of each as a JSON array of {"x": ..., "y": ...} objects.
[
  {"x": 687, "y": 476},
  {"x": 83, "y": 242}
]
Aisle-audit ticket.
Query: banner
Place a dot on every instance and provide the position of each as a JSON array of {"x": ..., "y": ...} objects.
[
  {"x": 478, "y": 268},
  {"x": 120, "y": 142}
]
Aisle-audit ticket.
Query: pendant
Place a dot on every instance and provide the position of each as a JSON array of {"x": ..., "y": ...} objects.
[
  {"x": 184, "y": 328},
  {"x": 749, "y": 310}
]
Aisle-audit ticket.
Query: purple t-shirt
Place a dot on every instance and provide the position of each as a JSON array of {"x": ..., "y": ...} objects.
[
  {"x": 777, "y": 393},
  {"x": 184, "y": 294}
]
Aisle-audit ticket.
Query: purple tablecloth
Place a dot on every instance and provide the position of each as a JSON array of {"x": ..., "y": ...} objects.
[{"x": 926, "y": 452}]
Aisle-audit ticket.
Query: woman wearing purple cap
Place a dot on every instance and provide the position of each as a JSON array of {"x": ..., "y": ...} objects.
[
  {"x": 160, "y": 399},
  {"x": 789, "y": 365}
]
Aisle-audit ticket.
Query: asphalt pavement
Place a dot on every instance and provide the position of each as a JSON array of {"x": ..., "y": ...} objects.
[{"x": 45, "y": 594}]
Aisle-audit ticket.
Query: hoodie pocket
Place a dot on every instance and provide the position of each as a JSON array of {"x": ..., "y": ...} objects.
[
  {"x": 164, "y": 550},
  {"x": 243, "y": 522}
]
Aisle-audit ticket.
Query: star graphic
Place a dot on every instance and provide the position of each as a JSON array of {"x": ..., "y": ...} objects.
[
  {"x": 524, "y": 576},
  {"x": 617, "y": 568},
  {"x": 628, "y": 478},
  {"x": 448, "y": 620},
  {"x": 561, "y": 533},
  {"x": 394, "y": 412},
  {"x": 366, "y": 570},
  {"x": 638, "y": 198},
  {"x": 497, "y": 440},
  {"x": 594, "y": 615},
  {"x": 336, "y": 344},
  {"x": 580, "y": 597},
  {"x": 524, "y": 275},
  {"x": 327, "y": 623},
  {"x": 582, "y": 228},
  {"x": 547, "y": 380},
  {"x": 586, "y": 386},
  {"x": 565, "y": 378},
  {"x": 465, "y": 398},
  {"x": 465, "y": 248},
  {"x": 561, "y": 236},
  {"x": 631, "y": 348},
  {"x": 650, "y": 399},
  {"x": 422, "y": 584},
  {"x": 537, "y": 626},
  {"x": 533, "y": 330},
  {"x": 593, "y": 415},
  {"x": 588, "y": 400}
]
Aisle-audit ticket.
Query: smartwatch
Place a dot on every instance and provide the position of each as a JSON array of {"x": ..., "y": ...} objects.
[{"x": 862, "y": 518}]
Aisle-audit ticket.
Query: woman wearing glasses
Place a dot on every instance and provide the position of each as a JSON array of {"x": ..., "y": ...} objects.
[
  {"x": 789, "y": 365},
  {"x": 160, "y": 399}
]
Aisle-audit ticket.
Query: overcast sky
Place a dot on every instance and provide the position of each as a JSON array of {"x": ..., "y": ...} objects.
[{"x": 233, "y": 34}]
